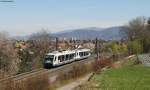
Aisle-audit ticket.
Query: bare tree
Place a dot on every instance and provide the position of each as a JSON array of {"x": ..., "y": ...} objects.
[
  {"x": 41, "y": 44},
  {"x": 135, "y": 28},
  {"x": 8, "y": 55},
  {"x": 138, "y": 29}
]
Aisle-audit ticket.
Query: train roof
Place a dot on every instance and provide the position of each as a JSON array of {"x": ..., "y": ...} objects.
[
  {"x": 67, "y": 52},
  {"x": 61, "y": 52},
  {"x": 81, "y": 50}
]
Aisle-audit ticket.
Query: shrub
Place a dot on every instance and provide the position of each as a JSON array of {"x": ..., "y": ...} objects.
[{"x": 40, "y": 82}]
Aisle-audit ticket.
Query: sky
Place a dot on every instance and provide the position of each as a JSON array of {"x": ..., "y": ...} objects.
[{"x": 23, "y": 17}]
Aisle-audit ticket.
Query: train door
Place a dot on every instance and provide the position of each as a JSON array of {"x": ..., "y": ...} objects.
[
  {"x": 77, "y": 55},
  {"x": 55, "y": 62}
]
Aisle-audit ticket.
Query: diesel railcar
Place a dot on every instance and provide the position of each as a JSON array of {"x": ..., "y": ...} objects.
[{"x": 58, "y": 58}]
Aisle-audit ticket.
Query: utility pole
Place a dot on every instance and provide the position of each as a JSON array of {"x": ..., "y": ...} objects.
[
  {"x": 74, "y": 43},
  {"x": 97, "y": 49},
  {"x": 56, "y": 48}
]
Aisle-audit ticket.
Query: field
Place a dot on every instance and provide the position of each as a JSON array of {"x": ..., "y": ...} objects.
[{"x": 127, "y": 77}]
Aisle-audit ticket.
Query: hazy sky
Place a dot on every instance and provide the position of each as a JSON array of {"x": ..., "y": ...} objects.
[{"x": 23, "y": 17}]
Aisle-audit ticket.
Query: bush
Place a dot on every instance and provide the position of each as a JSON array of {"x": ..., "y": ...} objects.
[
  {"x": 135, "y": 47},
  {"x": 9, "y": 60},
  {"x": 40, "y": 82}
]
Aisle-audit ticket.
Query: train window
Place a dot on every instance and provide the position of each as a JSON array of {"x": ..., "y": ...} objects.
[
  {"x": 73, "y": 55},
  {"x": 55, "y": 58},
  {"x": 88, "y": 53},
  {"x": 70, "y": 56},
  {"x": 84, "y": 53},
  {"x": 49, "y": 58},
  {"x": 60, "y": 58},
  {"x": 67, "y": 57},
  {"x": 63, "y": 57},
  {"x": 81, "y": 54}
]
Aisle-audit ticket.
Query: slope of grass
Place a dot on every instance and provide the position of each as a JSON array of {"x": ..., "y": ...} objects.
[{"x": 127, "y": 77}]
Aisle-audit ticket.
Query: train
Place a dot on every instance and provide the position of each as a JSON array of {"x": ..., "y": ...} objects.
[{"x": 58, "y": 58}]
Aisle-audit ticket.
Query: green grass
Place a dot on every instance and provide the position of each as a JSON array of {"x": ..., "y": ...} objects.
[{"x": 127, "y": 77}]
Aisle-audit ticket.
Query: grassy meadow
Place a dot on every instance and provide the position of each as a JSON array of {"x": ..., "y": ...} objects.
[{"x": 129, "y": 76}]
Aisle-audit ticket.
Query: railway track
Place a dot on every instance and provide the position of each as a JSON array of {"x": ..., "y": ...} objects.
[
  {"x": 40, "y": 71},
  {"x": 24, "y": 74},
  {"x": 29, "y": 74}
]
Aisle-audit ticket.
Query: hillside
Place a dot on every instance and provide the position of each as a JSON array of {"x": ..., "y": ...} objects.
[{"x": 112, "y": 33}]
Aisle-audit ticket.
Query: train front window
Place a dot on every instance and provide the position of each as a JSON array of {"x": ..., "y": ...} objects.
[{"x": 49, "y": 58}]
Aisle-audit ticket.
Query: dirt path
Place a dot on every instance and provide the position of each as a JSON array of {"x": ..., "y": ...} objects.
[{"x": 76, "y": 83}]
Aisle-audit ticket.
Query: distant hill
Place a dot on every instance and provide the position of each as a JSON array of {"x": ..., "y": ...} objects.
[
  {"x": 112, "y": 33},
  {"x": 21, "y": 37}
]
